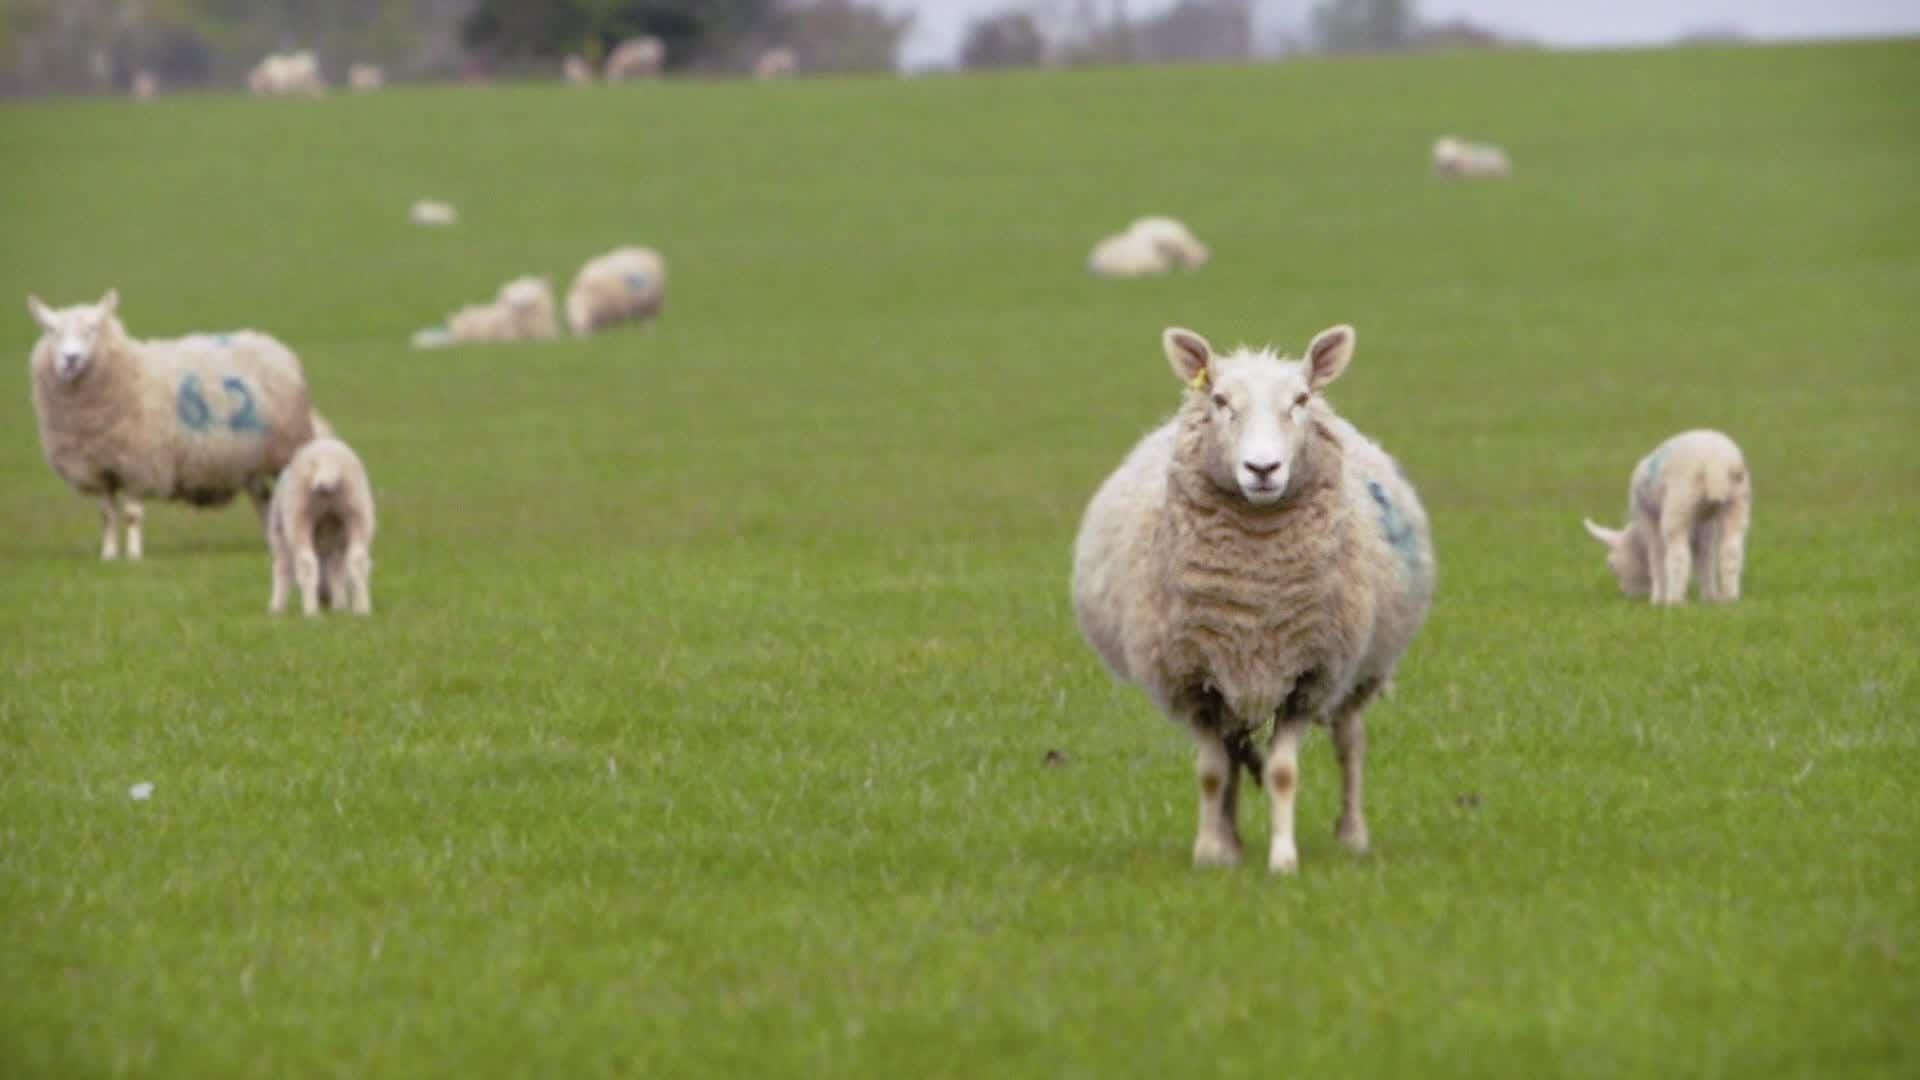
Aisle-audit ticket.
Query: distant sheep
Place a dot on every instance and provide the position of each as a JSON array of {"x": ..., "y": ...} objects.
[
  {"x": 636, "y": 58},
  {"x": 196, "y": 419},
  {"x": 524, "y": 310},
  {"x": 576, "y": 70},
  {"x": 1150, "y": 246},
  {"x": 626, "y": 284},
  {"x": 295, "y": 74},
  {"x": 433, "y": 213},
  {"x": 779, "y": 62},
  {"x": 320, "y": 531},
  {"x": 1688, "y": 506},
  {"x": 1459, "y": 158},
  {"x": 366, "y": 78},
  {"x": 1254, "y": 561},
  {"x": 145, "y": 86}
]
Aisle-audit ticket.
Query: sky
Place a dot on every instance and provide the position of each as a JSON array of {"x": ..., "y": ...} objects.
[{"x": 939, "y": 24}]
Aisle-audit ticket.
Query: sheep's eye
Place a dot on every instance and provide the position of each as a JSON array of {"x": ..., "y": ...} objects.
[
  {"x": 1301, "y": 400},
  {"x": 1219, "y": 401}
]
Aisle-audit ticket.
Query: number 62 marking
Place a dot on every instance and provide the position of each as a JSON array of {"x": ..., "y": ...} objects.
[{"x": 196, "y": 415}]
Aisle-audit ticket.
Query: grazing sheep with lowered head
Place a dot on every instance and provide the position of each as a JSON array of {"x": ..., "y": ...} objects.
[
  {"x": 1256, "y": 561},
  {"x": 1688, "y": 506}
]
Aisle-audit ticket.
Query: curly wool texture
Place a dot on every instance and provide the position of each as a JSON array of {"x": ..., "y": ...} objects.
[
  {"x": 624, "y": 285},
  {"x": 130, "y": 423}
]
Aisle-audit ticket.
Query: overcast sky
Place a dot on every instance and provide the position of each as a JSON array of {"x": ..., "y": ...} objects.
[{"x": 939, "y": 23}]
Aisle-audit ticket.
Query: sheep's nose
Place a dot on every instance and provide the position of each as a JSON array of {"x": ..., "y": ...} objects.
[{"x": 1263, "y": 470}]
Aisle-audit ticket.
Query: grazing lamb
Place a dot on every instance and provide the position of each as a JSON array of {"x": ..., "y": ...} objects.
[
  {"x": 320, "y": 531},
  {"x": 195, "y": 419},
  {"x": 523, "y": 311},
  {"x": 1688, "y": 505},
  {"x": 779, "y": 62},
  {"x": 1254, "y": 561},
  {"x": 625, "y": 284},
  {"x": 576, "y": 70},
  {"x": 1150, "y": 246},
  {"x": 366, "y": 78},
  {"x": 636, "y": 58},
  {"x": 1457, "y": 157}
]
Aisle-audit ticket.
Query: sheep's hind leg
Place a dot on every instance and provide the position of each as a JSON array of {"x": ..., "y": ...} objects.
[
  {"x": 1217, "y": 843},
  {"x": 1283, "y": 781},
  {"x": 306, "y": 570},
  {"x": 1730, "y": 553},
  {"x": 360, "y": 579},
  {"x": 109, "y": 526},
  {"x": 1350, "y": 746},
  {"x": 135, "y": 514}
]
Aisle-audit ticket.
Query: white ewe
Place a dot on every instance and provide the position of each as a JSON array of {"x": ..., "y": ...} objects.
[
  {"x": 1688, "y": 505},
  {"x": 320, "y": 531},
  {"x": 628, "y": 283},
  {"x": 1256, "y": 561},
  {"x": 196, "y": 420}
]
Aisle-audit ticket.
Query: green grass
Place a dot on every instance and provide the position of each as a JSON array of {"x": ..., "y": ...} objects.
[{"x": 700, "y": 728}]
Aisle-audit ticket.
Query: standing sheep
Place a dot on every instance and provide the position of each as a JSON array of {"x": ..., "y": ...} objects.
[
  {"x": 636, "y": 58},
  {"x": 1256, "y": 560},
  {"x": 366, "y": 78},
  {"x": 320, "y": 531},
  {"x": 779, "y": 62},
  {"x": 194, "y": 420},
  {"x": 1688, "y": 505},
  {"x": 628, "y": 283},
  {"x": 576, "y": 71},
  {"x": 286, "y": 75}
]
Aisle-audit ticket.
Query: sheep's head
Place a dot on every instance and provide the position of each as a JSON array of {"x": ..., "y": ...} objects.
[
  {"x": 1626, "y": 557},
  {"x": 79, "y": 333},
  {"x": 1252, "y": 409}
]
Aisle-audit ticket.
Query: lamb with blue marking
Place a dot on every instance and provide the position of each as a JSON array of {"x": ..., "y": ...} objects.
[
  {"x": 197, "y": 419},
  {"x": 626, "y": 284},
  {"x": 1689, "y": 503},
  {"x": 1257, "y": 565}
]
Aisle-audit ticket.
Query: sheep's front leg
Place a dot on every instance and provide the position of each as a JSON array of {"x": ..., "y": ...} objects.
[
  {"x": 109, "y": 526},
  {"x": 1350, "y": 744},
  {"x": 135, "y": 514},
  {"x": 306, "y": 570},
  {"x": 1283, "y": 780},
  {"x": 1218, "y": 841}
]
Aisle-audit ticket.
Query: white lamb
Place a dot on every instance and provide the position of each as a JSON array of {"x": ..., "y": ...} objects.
[
  {"x": 625, "y": 284},
  {"x": 524, "y": 310},
  {"x": 1688, "y": 506},
  {"x": 636, "y": 58},
  {"x": 1175, "y": 241},
  {"x": 779, "y": 62},
  {"x": 320, "y": 531},
  {"x": 1457, "y": 157},
  {"x": 1256, "y": 561},
  {"x": 576, "y": 70},
  {"x": 366, "y": 78},
  {"x": 1149, "y": 246},
  {"x": 196, "y": 419}
]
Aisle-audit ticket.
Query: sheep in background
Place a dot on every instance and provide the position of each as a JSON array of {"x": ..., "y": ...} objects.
[
  {"x": 1689, "y": 503},
  {"x": 196, "y": 420},
  {"x": 1176, "y": 243},
  {"x": 366, "y": 78},
  {"x": 1457, "y": 157},
  {"x": 1150, "y": 246},
  {"x": 1256, "y": 560},
  {"x": 287, "y": 75},
  {"x": 145, "y": 86},
  {"x": 636, "y": 58},
  {"x": 320, "y": 531},
  {"x": 776, "y": 63},
  {"x": 433, "y": 213},
  {"x": 628, "y": 283},
  {"x": 576, "y": 70},
  {"x": 524, "y": 310}
]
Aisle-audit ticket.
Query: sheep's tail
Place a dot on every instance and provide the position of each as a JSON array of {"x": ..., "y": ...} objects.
[
  {"x": 326, "y": 478},
  {"x": 321, "y": 429},
  {"x": 1724, "y": 482},
  {"x": 1242, "y": 751}
]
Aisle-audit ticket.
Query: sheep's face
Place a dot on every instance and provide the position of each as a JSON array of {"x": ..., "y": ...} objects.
[
  {"x": 1626, "y": 557},
  {"x": 1256, "y": 408},
  {"x": 77, "y": 332}
]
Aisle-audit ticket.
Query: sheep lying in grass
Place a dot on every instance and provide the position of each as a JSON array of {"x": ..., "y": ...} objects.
[
  {"x": 320, "y": 531},
  {"x": 625, "y": 284},
  {"x": 1149, "y": 246},
  {"x": 1457, "y": 157},
  {"x": 195, "y": 420},
  {"x": 636, "y": 58},
  {"x": 1256, "y": 560},
  {"x": 1688, "y": 506},
  {"x": 366, "y": 78},
  {"x": 433, "y": 213},
  {"x": 287, "y": 75},
  {"x": 523, "y": 311}
]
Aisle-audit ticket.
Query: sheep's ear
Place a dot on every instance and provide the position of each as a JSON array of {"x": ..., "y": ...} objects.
[
  {"x": 1609, "y": 537},
  {"x": 110, "y": 302},
  {"x": 1329, "y": 354},
  {"x": 41, "y": 313},
  {"x": 1189, "y": 354}
]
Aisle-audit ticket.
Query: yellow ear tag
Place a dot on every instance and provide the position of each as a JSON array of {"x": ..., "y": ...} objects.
[{"x": 1199, "y": 381}]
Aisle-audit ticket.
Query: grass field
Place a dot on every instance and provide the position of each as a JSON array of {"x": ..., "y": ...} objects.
[{"x": 701, "y": 726}]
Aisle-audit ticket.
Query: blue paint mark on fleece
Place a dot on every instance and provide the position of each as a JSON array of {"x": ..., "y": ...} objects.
[
  {"x": 637, "y": 282},
  {"x": 190, "y": 405},
  {"x": 1651, "y": 479},
  {"x": 1398, "y": 531}
]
